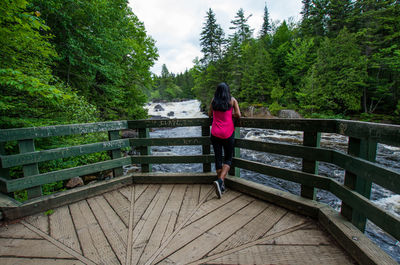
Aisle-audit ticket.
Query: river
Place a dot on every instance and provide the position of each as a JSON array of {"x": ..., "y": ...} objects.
[{"x": 387, "y": 156}]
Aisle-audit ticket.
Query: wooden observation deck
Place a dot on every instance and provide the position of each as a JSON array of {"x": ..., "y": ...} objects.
[{"x": 176, "y": 218}]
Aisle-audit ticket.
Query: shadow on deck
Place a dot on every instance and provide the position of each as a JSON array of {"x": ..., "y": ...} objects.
[{"x": 169, "y": 223}]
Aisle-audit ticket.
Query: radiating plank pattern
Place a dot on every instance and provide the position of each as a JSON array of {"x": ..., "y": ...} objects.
[{"x": 168, "y": 224}]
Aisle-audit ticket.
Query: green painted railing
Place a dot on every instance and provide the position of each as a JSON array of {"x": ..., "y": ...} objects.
[{"x": 359, "y": 163}]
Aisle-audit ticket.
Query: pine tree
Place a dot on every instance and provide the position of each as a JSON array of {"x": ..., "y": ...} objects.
[
  {"x": 266, "y": 26},
  {"x": 338, "y": 12},
  {"x": 211, "y": 39},
  {"x": 242, "y": 29}
]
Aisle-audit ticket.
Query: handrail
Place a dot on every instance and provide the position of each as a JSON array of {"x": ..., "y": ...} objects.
[{"x": 359, "y": 164}]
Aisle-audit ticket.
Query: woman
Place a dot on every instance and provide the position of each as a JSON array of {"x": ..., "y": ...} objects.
[{"x": 222, "y": 108}]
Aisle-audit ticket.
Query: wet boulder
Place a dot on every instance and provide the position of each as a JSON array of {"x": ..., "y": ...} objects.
[
  {"x": 289, "y": 114},
  {"x": 158, "y": 107},
  {"x": 171, "y": 114}
]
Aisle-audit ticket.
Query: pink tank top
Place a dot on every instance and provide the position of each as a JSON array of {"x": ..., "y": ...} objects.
[{"x": 222, "y": 125}]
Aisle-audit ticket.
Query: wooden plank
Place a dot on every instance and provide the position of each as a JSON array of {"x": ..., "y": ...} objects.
[
  {"x": 254, "y": 230},
  {"x": 194, "y": 230},
  {"x": 271, "y": 254},
  {"x": 312, "y": 139},
  {"x": 62, "y": 228},
  {"x": 284, "y": 199},
  {"x": 212, "y": 204},
  {"x": 52, "y": 201},
  {"x": 208, "y": 240},
  {"x": 126, "y": 192},
  {"x": 361, "y": 248},
  {"x": 35, "y": 261},
  {"x": 268, "y": 239},
  {"x": 116, "y": 153},
  {"x": 144, "y": 151},
  {"x": 129, "y": 242},
  {"x": 385, "y": 220},
  {"x": 288, "y": 221},
  {"x": 143, "y": 202},
  {"x": 46, "y": 155},
  {"x": 139, "y": 189},
  {"x": 40, "y": 221},
  {"x": 120, "y": 205},
  {"x": 172, "y": 211},
  {"x": 382, "y": 133},
  {"x": 93, "y": 242},
  {"x": 172, "y": 159},
  {"x": 320, "y": 125},
  {"x": 143, "y": 238},
  {"x": 206, "y": 148},
  {"x": 174, "y": 178},
  {"x": 170, "y": 141},
  {"x": 306, "y": 236},
  {"x": 29, "y": 170},
  {"x": 235, "y": 171},
  {"x": 39, "y": 179},
  {"x": 311, "y": 153},
  {"x": 370, "y": 171},
  {"x": 60, "y": 130},
  {"x": 190, "y": 201},
  {"x": 287, "y": 174},
  {"x": 17, "y": 231},
  {"x": 114, "y": 229},
  {"x": 58, "y": 244},
  {"x": 169, "y": 123},
  {"x": 29, "y": 248}
]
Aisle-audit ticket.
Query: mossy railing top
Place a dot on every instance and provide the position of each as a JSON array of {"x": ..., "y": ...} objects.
[{"x": 359, "y": 163}]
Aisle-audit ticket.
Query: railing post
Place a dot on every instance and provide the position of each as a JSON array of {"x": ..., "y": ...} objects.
[
  {"x": 116, "y": 153},
  {"x": 205, "y": 131},
  {"x": 366, "y": 149},
  {"x": 235, "y": 171},
  {"x": 145, "y": 150},
  {"x": 4, "y": 172},
  {"x": 311, "y": 139},
  {"x": 26, "y": 146}
]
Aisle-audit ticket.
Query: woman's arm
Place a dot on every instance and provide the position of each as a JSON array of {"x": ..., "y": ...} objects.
[
  {"x": 236, "y": 110},
  {"x": 210, "y": 111}
]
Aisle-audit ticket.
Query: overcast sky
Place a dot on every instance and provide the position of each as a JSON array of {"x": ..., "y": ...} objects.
[{"x": 176, "y": 25}]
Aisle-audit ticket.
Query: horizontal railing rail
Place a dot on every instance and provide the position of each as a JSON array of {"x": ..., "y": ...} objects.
[{"x": 359, "y": 163}]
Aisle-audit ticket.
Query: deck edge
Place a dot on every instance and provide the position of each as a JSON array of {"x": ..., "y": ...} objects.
[
  {"x": 356, "y": 244},
  {"x": 48, "y": 202}
]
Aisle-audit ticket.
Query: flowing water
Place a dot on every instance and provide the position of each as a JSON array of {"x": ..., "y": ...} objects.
[{"x": 387, "y": 156}]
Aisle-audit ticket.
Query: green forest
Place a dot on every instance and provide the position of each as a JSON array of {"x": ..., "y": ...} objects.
[
  {"x": 72, "y": 62},
  {"x": 342, "y": 60},
  {"x": 84, "y": 61}
]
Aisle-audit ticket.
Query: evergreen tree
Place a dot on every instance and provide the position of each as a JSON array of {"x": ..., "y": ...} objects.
[
  {"x": 338, "y": 12},
  {"x": 266, "y": 26},
  {"x": 242, "y": 29},
  {"x": 334, "y": 83},
  {"x": 211, "y": 39},
  {"x": 259, "y": 77}
]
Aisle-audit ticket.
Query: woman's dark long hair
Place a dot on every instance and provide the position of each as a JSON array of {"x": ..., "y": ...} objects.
[{"x": 222, "y": 98}]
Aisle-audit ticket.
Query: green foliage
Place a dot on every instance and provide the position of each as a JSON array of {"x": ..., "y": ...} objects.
[
  {"x": 104, "y": 53},
  {"x": 341, "y": 59},
  {"x": 30, "y": 94},
  {"x": 49, "y": 212},
  {"x": 172, "y": 87}
]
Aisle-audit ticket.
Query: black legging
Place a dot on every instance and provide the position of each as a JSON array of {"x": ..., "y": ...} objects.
[{"x": 227, "y": 145}]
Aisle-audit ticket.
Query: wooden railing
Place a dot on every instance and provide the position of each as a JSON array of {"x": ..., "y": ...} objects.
[{"x": 359, "y": 163}]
